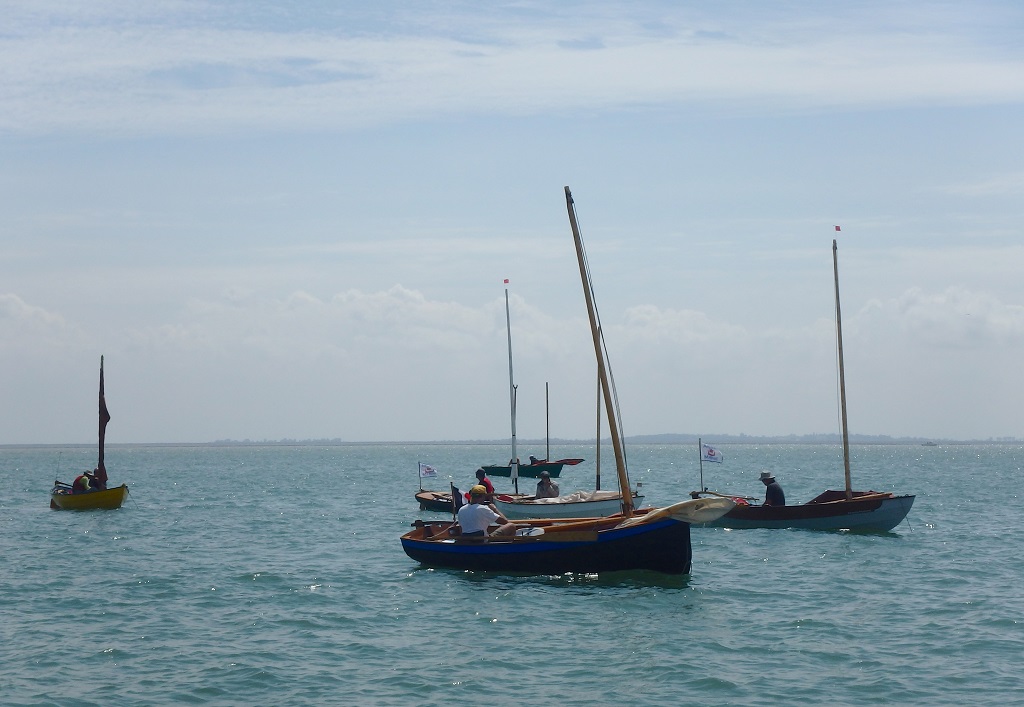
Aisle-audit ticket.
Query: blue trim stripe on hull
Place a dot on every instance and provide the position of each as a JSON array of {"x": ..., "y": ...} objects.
[{"x": 663, "y": 546}]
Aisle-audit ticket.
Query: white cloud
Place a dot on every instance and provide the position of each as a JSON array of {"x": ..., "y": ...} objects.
[
  {"x": 170, "y": 71},
  {"x": 956, "y": 317},
  {"x": 268, "y": 281},
  {"x": 654, "y": 325},
  {"x": 29, "y": 327}
]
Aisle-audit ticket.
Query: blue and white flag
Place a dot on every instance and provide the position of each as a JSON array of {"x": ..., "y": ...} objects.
[
  {"x": 710, "y": 454},
  {"x": 427, "y": 471}
]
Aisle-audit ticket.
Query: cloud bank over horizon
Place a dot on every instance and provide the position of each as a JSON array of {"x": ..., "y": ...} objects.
[{"x": 296, "y": 222}]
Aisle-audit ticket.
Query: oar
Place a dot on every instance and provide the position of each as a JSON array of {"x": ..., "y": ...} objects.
[{"x": 726, "y": 495}]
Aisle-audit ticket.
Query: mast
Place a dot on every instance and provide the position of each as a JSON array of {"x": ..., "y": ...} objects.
[
  {"x": 842, "y": 374},
  {"x": 101, "y": 470},
  {"x": 597, "y": 460},
  {"x": 514, "y": 461},
  {"x": 602, "y": 370},
  {"x": 547, "y": 424},
  {"x": 700, "y": 459}
]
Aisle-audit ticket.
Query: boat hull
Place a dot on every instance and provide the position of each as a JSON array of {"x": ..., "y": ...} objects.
[
  {"x": 441, "y": 501},
  {"x": 531, "y": 471},
  {"x": 875, "y": 513},
  {"x": 515, "y": 510},
  {"x": 108, "y": 499},
  {"x": 435, "y": 501},
  {"x": 660, "y": 546}
]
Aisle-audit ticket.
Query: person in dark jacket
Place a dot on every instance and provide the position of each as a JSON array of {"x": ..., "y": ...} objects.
[{"x": 773, "y": 494}]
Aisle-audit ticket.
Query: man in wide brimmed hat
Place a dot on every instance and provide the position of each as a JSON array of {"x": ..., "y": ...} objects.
[
  {"x": 773, "y": 495},
  {"x": 476, "y": 517}
]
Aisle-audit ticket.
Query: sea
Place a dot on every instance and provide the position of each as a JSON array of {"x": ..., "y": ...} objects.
[{"x": 274, "y": 575}]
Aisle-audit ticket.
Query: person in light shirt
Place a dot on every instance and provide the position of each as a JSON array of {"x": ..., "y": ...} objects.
[
  {"x": 479, "y": 514},
  {"x": 546, "y": 488}
]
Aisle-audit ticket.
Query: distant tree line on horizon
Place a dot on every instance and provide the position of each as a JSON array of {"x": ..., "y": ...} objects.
[
  {"x": 672, "y": 438},
  {"x": 679, "y": 439}
]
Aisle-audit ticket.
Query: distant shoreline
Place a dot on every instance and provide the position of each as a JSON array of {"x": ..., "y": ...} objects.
[{"x": 666, "y": 439}]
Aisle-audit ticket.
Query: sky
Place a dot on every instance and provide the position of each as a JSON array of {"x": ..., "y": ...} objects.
[{"x": 295, "y": 220}]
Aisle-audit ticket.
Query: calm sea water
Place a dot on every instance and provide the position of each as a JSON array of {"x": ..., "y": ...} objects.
[{"x": 273, "y": 575}]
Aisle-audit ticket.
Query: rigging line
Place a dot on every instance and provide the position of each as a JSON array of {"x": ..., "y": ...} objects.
[
  {"x": 839, "y": 392},
  {"x": 614, "y": 393},
  {"x": 604, "y": 346}
]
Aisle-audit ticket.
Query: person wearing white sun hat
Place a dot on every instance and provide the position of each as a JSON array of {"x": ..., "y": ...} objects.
[{"x": 773, "y": 494}]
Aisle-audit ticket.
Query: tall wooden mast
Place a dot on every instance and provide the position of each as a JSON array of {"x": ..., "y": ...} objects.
[
  {"x": 602, "y": 368},
  {"x": 514, "y": 461},
  {"x": 842, "y": 374}
]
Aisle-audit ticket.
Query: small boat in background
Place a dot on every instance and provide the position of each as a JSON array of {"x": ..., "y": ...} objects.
[
  {"x": 514, "y": 468},
  {"x": 533, "y": 469},
  {"x": 89, "y": 491},
  {"x": 578, "y": 504},
  {"x": 833, "y": 509},
  {"x": 439, "y": 501}
]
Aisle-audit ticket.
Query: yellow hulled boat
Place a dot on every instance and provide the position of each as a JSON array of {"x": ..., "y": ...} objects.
[
  {"x": 61, "y": 498},
  {"x": 89, "y": 491}
]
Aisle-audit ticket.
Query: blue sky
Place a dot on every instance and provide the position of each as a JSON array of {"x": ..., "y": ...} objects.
[{"x": 295, "y": 220}]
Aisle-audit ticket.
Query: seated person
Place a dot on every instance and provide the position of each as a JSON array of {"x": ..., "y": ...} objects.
[
  {"x": 476, "y": 517},
  {"x": 94, "y": 480},
  {"x": 773, "y": 495},
  {"x": 482, "y": 480},
  {"x": 82, "y": 483},
  {"x": 546, "y": 488}
]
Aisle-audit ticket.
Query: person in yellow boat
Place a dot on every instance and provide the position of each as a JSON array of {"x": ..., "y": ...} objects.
[
  {"x": 546, "y": 488},
  {"x": 478, "y": 515},
  {"x": 89, "y": 481},
  {"x": 82, "y": 483},
  {"x": 95, "y": 482}
]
